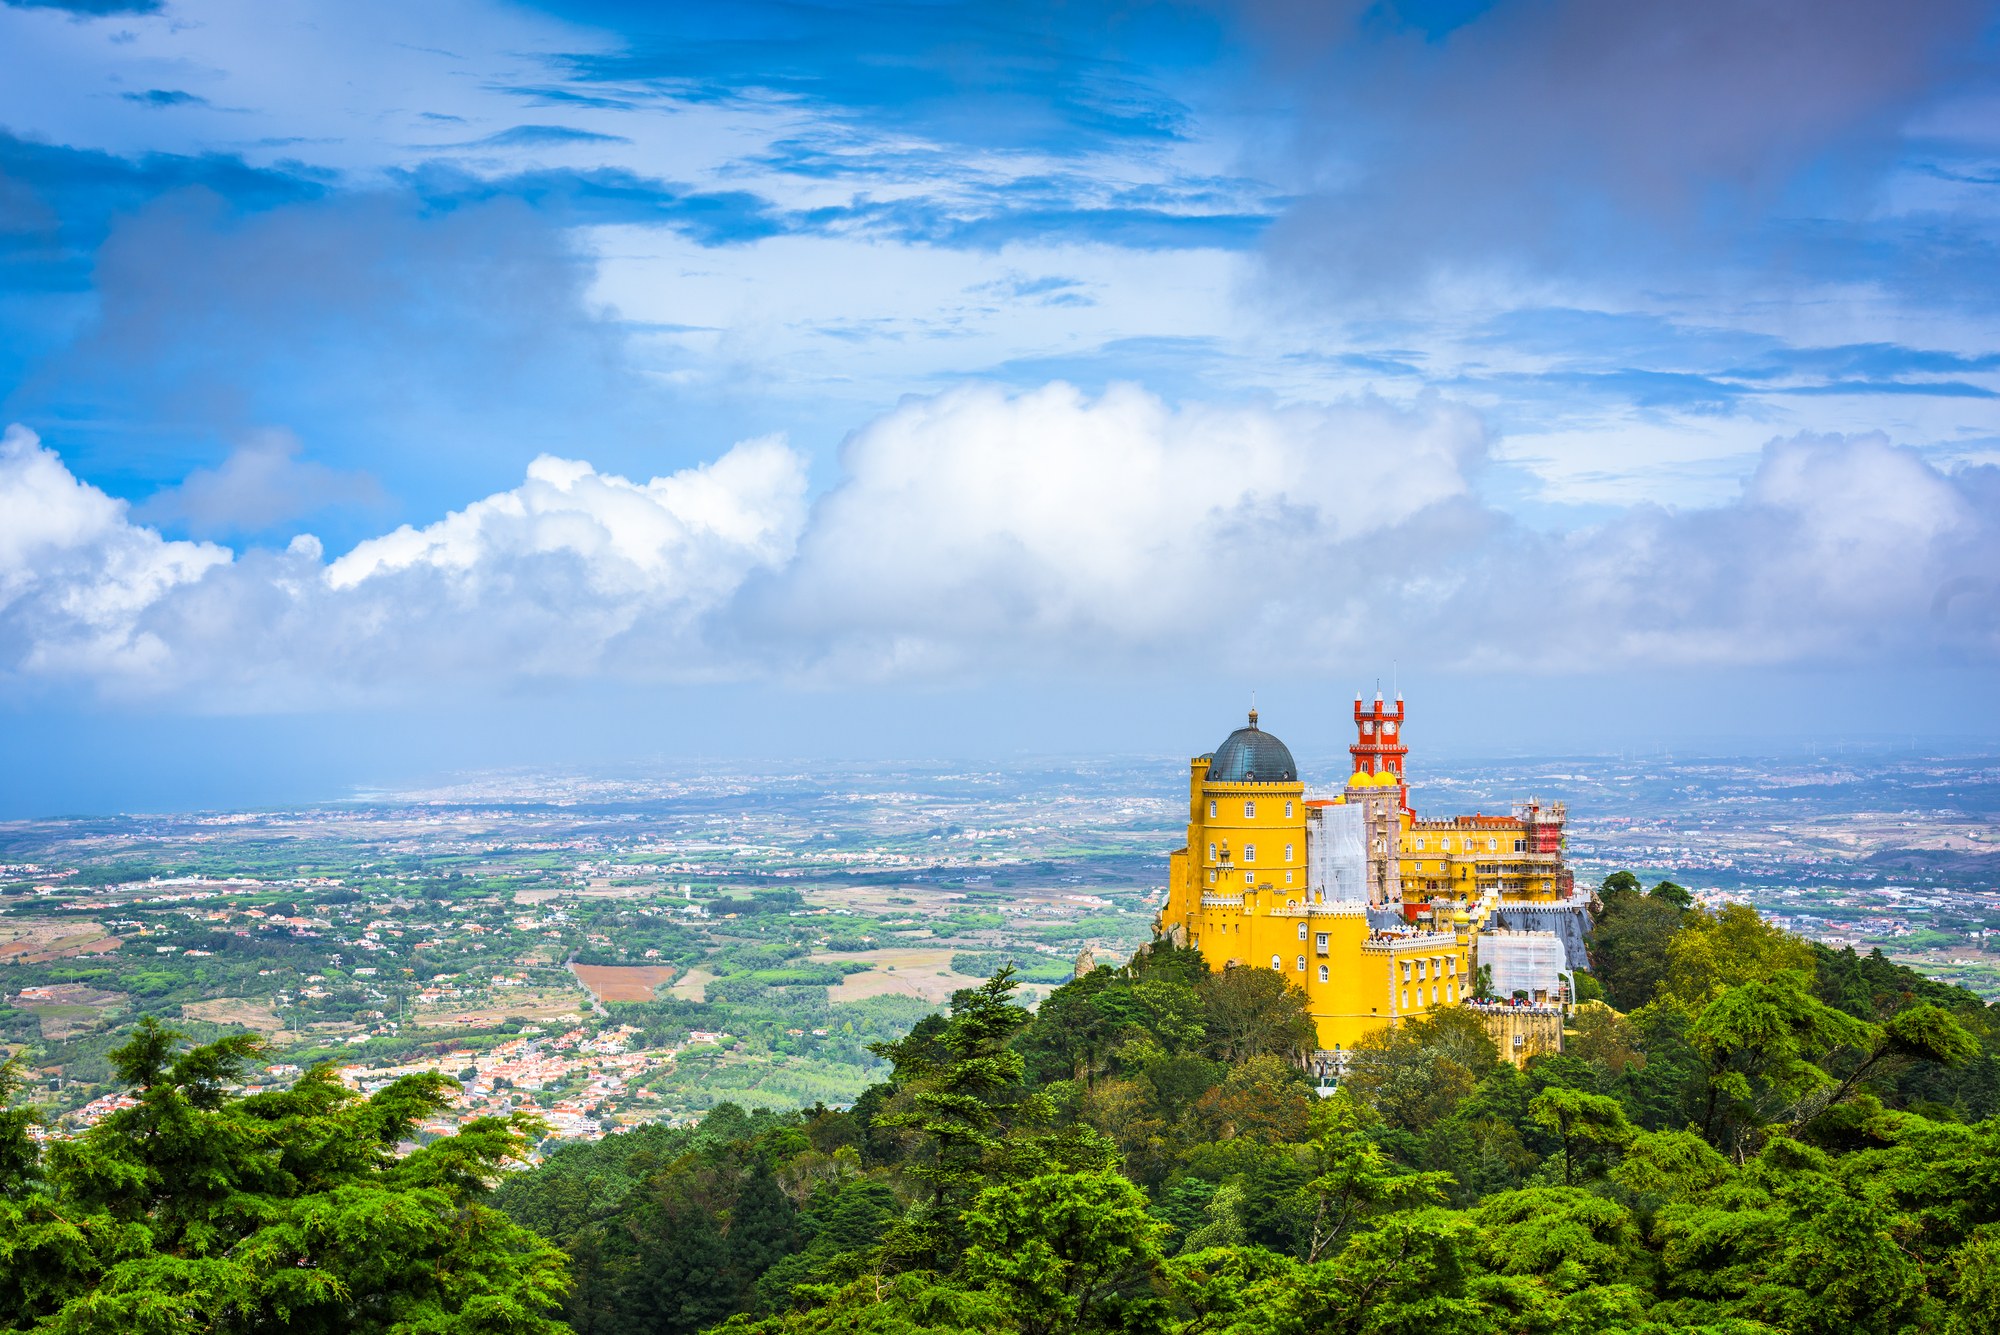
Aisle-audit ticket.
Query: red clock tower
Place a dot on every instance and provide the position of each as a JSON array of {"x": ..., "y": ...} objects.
[{"x": 1380, "y": 748}]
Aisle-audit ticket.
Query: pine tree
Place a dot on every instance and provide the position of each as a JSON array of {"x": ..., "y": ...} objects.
[
  {"x": 286, "y": 1211},
  {"x": 681, "y": 1282},
  {"x": 763, "y": 1228},
  {"x": 966, "y": 1099}
]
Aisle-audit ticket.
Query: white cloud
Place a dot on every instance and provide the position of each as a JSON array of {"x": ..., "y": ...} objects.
[
  {"x": 1050, "y": 528},
  {"x": 76, "y": 578},
  {"x": 1835, "y": 556},
  {"x": 982, "y": 534},
  {"x": 573, "y": 574},
  {"x": 692, "y": 536}
]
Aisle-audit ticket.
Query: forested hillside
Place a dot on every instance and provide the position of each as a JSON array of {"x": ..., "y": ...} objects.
[{"x": 1748, "y": 1133}]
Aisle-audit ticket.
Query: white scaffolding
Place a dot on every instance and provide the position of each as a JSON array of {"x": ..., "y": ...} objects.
[{"x": 1337, "y": 854}]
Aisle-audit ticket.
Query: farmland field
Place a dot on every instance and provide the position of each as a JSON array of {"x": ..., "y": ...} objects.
[{"x": 622, "y": 982}]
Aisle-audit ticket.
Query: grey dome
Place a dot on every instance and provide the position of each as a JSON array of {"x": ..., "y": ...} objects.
[{"x": 1251, "y": 755}]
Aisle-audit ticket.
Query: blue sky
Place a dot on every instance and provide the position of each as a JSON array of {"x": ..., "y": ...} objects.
[{"x": 768, "y": 363}]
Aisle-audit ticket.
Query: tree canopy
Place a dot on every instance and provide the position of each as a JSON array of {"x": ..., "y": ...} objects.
[
  {"x": 1777, "y": 1138},
  {"x": 286, "y": 1211}
]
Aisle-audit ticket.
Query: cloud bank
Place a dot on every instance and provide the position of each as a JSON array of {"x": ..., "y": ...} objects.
[{"x": 980, "y": 534}]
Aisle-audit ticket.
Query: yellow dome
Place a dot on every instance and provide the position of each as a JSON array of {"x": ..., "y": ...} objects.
[
  {"x": 1361, "y": 779},
  {"x": 1386, "y": 779}
]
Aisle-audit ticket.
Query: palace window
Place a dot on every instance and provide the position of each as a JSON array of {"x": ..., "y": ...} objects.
[
  {"x": 1322, "y": 973},
  {"x": 1249, "y": 878},
  {"x": 1211, "y": 852},
  {"x": 1302, "y": 964},
  {"x": 1211, "y": 810},
  {"x": 1302, "y": 931},
  {"x": 1406, "y": 971},
  {"x": 1277, "y": 964},
  {"x": 1288, "y": 811},
  {"x": 1249, "y": 810},
  {"x": 1319, "y": 943},
  {"x": 1214, "y": 875},
  {"x": 1288, "y": 878},
  {"x": 1420, "y": 845},
  {"x": 1249, "y": 852},
  {"x": 1288, "y": 852}
]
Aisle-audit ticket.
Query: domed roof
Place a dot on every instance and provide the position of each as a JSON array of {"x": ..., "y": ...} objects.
[
  {"x": 1251, "y": 755},
  {"x": 1388, "y": 778},
  {"x": 1361, "y": 778}
]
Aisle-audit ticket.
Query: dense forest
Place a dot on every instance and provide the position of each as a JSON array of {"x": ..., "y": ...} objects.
[{"x": 1745, "y": 1133}]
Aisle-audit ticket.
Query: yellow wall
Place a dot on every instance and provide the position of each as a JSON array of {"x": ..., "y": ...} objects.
[
  {"x": 1453, "y": 855},
  {"x": 1255, "y": 838}
]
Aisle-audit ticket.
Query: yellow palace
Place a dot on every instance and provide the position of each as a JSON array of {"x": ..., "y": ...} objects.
[{"x": 1376, "y": 914}]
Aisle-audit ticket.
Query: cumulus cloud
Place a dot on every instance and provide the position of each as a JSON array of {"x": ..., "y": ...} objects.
[
  {"x": 692, "y": 537},
  {"x": 1835, "y": 556},
  {"x": 979, "y": 534},
  {"x": 571, "y": 575},
  {"x": 977, "y": 526},
  {"x": 77, "y": 578}
]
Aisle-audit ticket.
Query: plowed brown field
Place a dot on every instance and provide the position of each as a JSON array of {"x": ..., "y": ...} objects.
[{"x": 622, "y": 982}]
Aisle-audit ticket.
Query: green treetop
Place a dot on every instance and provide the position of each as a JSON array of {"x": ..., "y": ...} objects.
[{"x": 287, "y": 1211}]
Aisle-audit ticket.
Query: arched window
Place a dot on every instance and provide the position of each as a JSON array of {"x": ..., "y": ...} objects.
[
  {"x": 1322, "y": 973},
  {"x": 1277, "y": 964},
  {"x": 1302, "y": 964},
  {"x": 1302, "y": 931},
  {"x": 1249, "y": 852},
  {"x": 1288, "y": 811},
  {"x": 1211, "y": 809}
]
